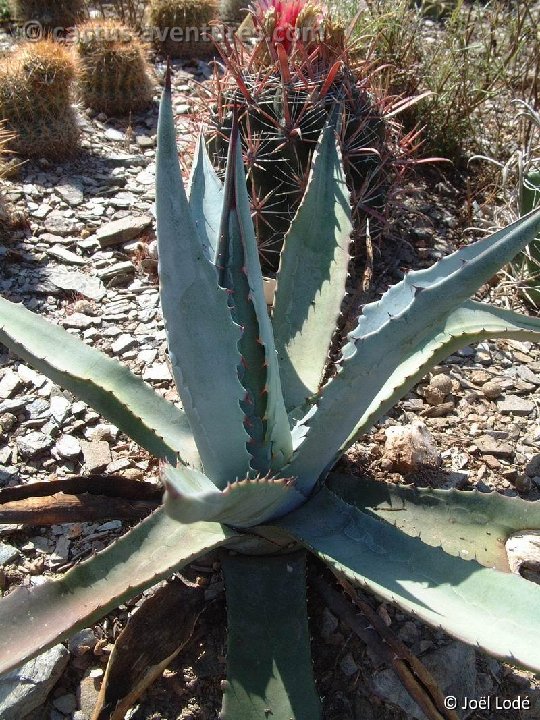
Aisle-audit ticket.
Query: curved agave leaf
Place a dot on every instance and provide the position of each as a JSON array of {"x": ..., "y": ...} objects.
[
  {"x": 383, "y": 368},
  {"x": 110, "y": 388},
  {"x": 269, "y": 670},
  {"x": 468, "y": 524},
  {"x": 190, "y": 497},
  {"x": 483, "y": 607},
  {"x": 205, "y": 194},
  {"x": 312, "y": 274},
  {"x": 448, "y": 283},
  {"x": 240, "y": 271},
  {"x": 34, "y": 619},
  {"x": 203, "y": 339}
]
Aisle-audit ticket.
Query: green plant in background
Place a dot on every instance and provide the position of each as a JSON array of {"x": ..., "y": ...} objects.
[
  {"x": 36, "y": 89},
  {"x": 5, "y": 11},
  {"x": 475, "y": 52},
  {"x": 528, "y": 265},
  {"x": 50, "y": 13},
  {"x": 247, "y": 464},
  {"x": 190, "y": 19},
  {"x": 114, "y": 75}
]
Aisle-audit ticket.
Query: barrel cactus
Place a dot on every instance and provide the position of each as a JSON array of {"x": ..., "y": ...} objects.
[
  {"x": 114, "y": 74},
  {"x": 52, "y": 14},
  {"x": 183, "y": 26},
  {"x": 36, "y": 93},
  {"x": 247, "y": 463},
  {"x": 284, "y": 90}
]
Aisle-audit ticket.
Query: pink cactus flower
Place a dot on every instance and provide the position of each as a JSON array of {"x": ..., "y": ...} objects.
[{"x": 279, "y": 19}]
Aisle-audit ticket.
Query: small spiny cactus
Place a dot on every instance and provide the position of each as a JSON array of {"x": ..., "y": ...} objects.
[
  {"x": 35, "y": 101},
  {"x": 114, "y": 74},
  {"x": 183, "y": 26},
  {"x": 50, "y": 13}
]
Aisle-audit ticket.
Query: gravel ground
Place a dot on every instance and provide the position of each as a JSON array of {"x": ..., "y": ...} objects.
[{"x": 87, "y": 262}]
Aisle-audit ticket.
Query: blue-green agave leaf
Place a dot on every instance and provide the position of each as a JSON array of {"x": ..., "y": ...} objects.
[
  {"x": 398, "y": 338},
  {"x": 471, "y": 323},
  {"x": 269, "y": 669},
  {"x": 205, "y": 193},
  {"x": 470, "y": 524},
  {"x": 203, "y": 339},
  {"x": 34, "y": 619},
  {"x": 110, "y": 388},
  {"x": 240, "y": 271},
  {"x": 191, "y": 497},
  {"x": 312, "y": 274},
  {"x": 484, "y": 607}
]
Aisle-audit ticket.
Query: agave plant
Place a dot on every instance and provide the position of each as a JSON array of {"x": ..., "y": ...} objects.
[{"x": 247, "y": 462}]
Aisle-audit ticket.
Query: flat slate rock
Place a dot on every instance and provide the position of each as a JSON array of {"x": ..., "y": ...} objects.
[
  {"x": 515, "y": 405},
  {"x": 7, "y": 553},
  {"x": 123, "y": 230},
  {"x": 97, "y": 455},
  {"x": 71, "y": 191},
  {"x": 26, "y": 688},
  {"x": 64, "y": 279},
  {"x": 60, "y": 253}
]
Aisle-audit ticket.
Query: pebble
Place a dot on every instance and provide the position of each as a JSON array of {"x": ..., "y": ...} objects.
[
  {"x": 88, "y": 692},
  {"x": 33, "y": 444},
  {"x": 329, "y": 624},
  {"x": 57, "y": 223},
  {"x": 515, "y": 405},
  {"x": 348, "y": 665},
  {"x": 30, "y": 376},
  {"x": 442, "y": 382},
  {"x": 97, "y": 455},
  {"x": 82, "y": 642},
  {"x": 79, "y": 321},
  {"x": 159, "y": 372},
  {"x": 110, "y": 526},
  {"x": 9, "y": 384},
  {"x": 75, "y": 281},
  {"x": 122, "y": 231},
  {"x": 114, "y": 135},
  {"x": 68, "y": 447},
  {"x": 533, "y": 466},
  {"x": 409, "y": 448},
  {"x": 59, "y": 408},
  {"x": 71, "y": 191},
  {"x": 123, "y": 343},
  {"x": 7, "y": 422},
  {"x": 117, "y": 270},
  {"x": 71, "y": 258},
  {"x": 492, "y": 389},
  {"x": 8, "y": 553},
  {"x": 526, "y": 374},
  {"x": 493, "y": 446},
  {"x": 102, "y": 431},
  {"x": 26, "y": 688}
]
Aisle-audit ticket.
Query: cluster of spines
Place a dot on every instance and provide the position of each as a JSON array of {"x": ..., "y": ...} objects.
[{"x": 282, "y": 110}]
